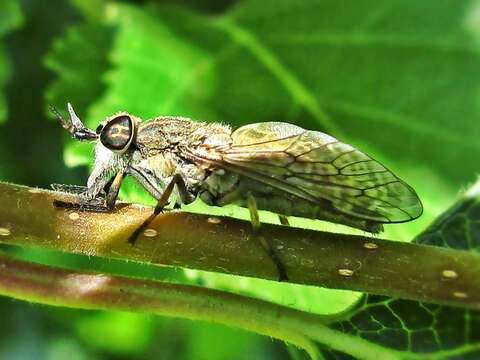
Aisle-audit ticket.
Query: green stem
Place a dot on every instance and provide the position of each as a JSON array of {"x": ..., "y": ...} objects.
[
  {"x": 60, "y": 287},
  {"x": 28, "y": 218}
]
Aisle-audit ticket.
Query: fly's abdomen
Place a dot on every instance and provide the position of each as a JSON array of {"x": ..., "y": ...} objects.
[
  {"x": 224, "y": 188},
  {"x": 284, "y": 205}
]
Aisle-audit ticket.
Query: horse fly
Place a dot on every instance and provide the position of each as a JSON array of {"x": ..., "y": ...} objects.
[{"x": 272, "y": 166}]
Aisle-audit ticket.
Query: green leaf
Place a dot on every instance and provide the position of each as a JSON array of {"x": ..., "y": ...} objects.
[
  {"x": 362, "y": 70},
  {"x": 204, "y": 343},
  {"x": 79, "y": 78},
  {"x": 117, "y": 332},
  {"x": 10, "y": 16},
  {"x": 10, "y": 19},
  {"x": 458, "y": 228},
  {"x": 155, "y": 72},
  {"x": 93, "y": 10},
  {"x": 4, "y": 76},
  {"x": 418, "y": 328}
]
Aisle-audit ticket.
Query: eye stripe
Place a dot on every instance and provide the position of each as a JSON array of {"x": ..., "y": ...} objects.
[{"x": 117, "y": 133}]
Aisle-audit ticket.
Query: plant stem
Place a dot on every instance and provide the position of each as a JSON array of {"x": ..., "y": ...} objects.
[
  {"x": 61, "y": 287},
  {"x": 410, "y": 271}
]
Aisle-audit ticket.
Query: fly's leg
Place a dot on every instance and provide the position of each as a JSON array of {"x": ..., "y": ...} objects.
[
  {"x": 70, "y": 189},
  {"x": 97, "y": 204},
  {"x": 112, "y": 193},
  {"x": 256, "y": 225},
  {"x": 94, "y": 205},
  {"x": 162, "y": 201},
  {"x": 283, "y": 220},
  {"x": 254, "y": 218}
]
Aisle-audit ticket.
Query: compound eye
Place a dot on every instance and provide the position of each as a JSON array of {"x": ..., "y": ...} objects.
[{"x": 117, "y": 134}]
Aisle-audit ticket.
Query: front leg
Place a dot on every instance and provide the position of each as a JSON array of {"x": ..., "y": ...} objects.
[
  {"x": 70, "y": 189},
  {"x": 112, "y": 193},
  {"x": 95, "y": 203}
]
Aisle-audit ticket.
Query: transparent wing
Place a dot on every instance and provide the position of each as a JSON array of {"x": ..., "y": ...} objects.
[{"x": 315, "y": 166}]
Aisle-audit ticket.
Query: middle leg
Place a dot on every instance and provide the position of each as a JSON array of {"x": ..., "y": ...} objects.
[{"x": 185, "y": 197}]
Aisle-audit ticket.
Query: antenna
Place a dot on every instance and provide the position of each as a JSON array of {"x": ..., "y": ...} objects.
[{"x": 74, "y": 125}]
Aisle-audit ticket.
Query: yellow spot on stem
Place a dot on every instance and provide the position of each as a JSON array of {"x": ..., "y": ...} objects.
[
  {"x": 150, "y": 233},
  {"x": 370, "y": 245},
  {"x": 449, "y": 274},
  {"x": 345, "y": 272},
  {"x": 460, "y": 294},
  {"x": 4, "y": 232},
  {"x": 214, "y": 220},
  {"x": 74, "y": 216}
]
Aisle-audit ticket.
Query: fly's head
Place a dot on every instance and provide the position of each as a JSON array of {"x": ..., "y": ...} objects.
[{"x": 115, "y": 142}]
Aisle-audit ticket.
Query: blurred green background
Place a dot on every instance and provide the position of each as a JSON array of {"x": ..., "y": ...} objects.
[{"x": 398, "y": 79}]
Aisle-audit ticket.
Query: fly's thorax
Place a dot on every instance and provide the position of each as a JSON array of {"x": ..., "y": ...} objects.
[
  {"x": 162, "y": 148},
  {"x": 170, "y": 133},
  {"x": 165, "y": 133},
  {"x": 213, "y": 135}
]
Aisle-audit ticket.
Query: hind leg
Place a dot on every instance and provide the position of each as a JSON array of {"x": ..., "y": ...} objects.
[
  {"x": 256, "y": 225},
  {"x": 283, "y": 220}
]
